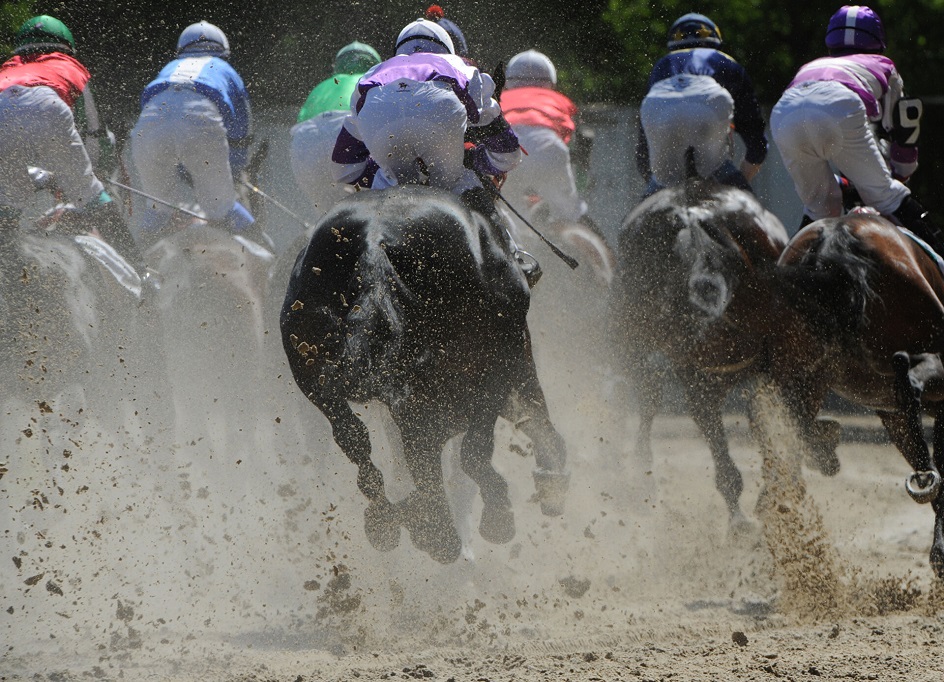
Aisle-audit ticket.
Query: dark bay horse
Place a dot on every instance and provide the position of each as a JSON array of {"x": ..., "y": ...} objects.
[
  {"x": 863, "y": 315},
  {"x": 405, "y": 297},
  {"x": 692, "y": 287}
]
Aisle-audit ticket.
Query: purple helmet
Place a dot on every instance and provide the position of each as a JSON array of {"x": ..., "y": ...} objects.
[{"x": 856, "y": 28}]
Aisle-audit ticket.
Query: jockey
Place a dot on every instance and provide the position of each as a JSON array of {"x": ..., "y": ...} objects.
[
  {"x": 696, "y": 95},
  {"x": 194, "y": 129},
  {"x": 320, "y": 121},
  {"x": 409, "y": 118},
  {"x": 543, "y": 120},
  {"x": 43, "y": 89},
  {"x": 838, "y": 113}
]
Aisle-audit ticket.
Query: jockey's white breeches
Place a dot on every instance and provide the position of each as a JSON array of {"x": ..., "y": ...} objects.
[
  {"x": 415, "y": 131},
  {"x": 687, "y": 111},
  {"x": 181, "y": 127},
  {"x": 545, "y": 172},
  {"x": 310, "y": 155},
  {"x": 38, "y": 129},
  {"x": 820, "y": 128}
]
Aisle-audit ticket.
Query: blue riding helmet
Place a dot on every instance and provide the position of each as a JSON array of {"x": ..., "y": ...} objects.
[{"x": 693, "y": 30}]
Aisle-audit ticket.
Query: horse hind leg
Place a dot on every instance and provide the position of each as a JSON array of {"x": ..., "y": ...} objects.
[
  {"x": 497, "y": 524},
  {"x": 426, "y": 512},
  {"x": 381, "y": 522},
  {"x": 937, "y": 542},
  {"x": 911, "y": 375},
  {"x": 705, "y": 398}
]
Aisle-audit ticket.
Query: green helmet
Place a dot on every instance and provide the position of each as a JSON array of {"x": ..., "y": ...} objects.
[
  {"x": 43, "y": 34},
  {"x": 355, "y": 58}
]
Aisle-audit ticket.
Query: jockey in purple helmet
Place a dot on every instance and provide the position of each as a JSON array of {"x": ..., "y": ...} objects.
[{"x": 847, "y": 112}]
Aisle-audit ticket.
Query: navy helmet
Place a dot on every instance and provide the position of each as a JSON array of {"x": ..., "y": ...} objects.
[{"x": 693, "y": 30}]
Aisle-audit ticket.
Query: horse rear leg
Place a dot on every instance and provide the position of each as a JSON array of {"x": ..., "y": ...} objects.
[
  {"x": 937, "y": 542},
  {"x": 497, "y": 524},
  {"x": 706, "y": 396},
  {"x": 527, "y": 409},
  {"x": 381, "y": 523},
  {"x": 426, "y": 512}
]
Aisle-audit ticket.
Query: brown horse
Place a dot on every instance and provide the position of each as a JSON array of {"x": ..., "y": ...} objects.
[
  {"x": 862, "y": 314},
  {"x": 693, "y": 272}
]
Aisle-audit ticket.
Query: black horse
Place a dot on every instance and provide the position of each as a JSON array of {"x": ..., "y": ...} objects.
[
  {"x": 405, "y": 297},
  {"x": 692, "y": 286}
]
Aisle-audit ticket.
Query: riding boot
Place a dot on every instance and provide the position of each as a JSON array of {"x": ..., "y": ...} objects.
[
  {"x": 804, "y": 221},
  {"x": 107, "y": 219},
  {"x": 481, "y": 201},
  {"x": 913, "y": 216}
]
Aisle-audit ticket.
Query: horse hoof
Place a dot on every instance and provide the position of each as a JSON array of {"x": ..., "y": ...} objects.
[
  {"x": 429, "y": 523},
  {"x": 923, "y": 486},
  {"x": 551, "y": 488},
  {"x": 381, "y": 526},
  {"x": 498, "y": 524},
  {"x": 937, "y": 561},
  {"x": 825, "y": 438}
]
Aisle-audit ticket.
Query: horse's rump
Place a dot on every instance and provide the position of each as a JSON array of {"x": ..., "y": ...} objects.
[{"x": 395, "y": 286}]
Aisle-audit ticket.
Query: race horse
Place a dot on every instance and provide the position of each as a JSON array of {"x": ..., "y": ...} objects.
[
  {"x": 692, "y": 289},
  {"x": 862, "y": 314},
  {"x": 405, "y": 297}
]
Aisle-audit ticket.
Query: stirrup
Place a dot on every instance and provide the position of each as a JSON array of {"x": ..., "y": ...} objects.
[{"x": 529, "y": 266}]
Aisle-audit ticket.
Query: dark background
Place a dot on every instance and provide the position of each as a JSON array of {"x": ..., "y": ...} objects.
[{"x": 603, "y": 48}]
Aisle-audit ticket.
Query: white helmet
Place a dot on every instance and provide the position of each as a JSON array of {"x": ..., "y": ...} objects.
[
  {"x": 424, "y": 35},
  {"x": 203, "y": 37},
  {"x": 530, "y": 69}
]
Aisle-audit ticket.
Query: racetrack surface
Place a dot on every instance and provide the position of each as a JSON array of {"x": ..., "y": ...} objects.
[{"x": 138, "y": 561}]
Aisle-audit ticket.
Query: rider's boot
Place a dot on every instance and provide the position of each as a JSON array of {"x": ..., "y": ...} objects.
[
  {"x": 240, "y": 222},
  {"x": 481, "y": 201},
  {"x": 804, "y": 221},
  {"x": 913, "y": 216}
]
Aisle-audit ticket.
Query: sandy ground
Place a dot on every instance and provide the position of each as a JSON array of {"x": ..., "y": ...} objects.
[{"x": 130, "y": 561}]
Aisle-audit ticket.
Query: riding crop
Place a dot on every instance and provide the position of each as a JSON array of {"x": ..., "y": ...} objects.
[
  {"x": 277, "y": 204},
  {"x": 572, "y": 262},
  {"x": 154, "y": 198}
]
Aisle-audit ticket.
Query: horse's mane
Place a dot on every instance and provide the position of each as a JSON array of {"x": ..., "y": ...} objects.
[{"x": 831, "y": 283}]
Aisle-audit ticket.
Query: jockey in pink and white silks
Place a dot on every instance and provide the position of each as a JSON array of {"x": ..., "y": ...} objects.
[
  {"x": 409, "y": 117},
  {"x": 319, "y": 123},
  {"x": 847, "y": 113},
  {"x": 194, "y": 129},
  {"x": 697, "y": 97},
  {"x": 543, "y": 120}
]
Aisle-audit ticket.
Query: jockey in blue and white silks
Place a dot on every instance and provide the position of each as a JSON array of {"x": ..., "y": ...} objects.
[
  {"x": 697, "y": 97},
  {"x": 194, "y": 127},
  {"x": 409, "y": 117},
  {"x": 847, "y": 113}
]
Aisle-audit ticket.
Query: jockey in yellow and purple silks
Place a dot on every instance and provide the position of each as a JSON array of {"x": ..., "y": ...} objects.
[
  {"x": 409, "y": 118},
  {"x": 41, "y": 88},
  {"x": 319, "y": 123},
  {"x": 195, "y": 128},
  {"x": 697, "y": 97},
  {"x": 847, "y": 112}
]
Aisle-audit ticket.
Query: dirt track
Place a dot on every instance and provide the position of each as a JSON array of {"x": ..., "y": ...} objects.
[{"x": 136, "y": 565}]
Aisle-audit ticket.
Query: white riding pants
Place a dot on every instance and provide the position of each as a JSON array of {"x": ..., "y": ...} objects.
[
  {"x": 821, "y": 127},
  {"x": 310, "y": 155},
  {"x": 181, "y": 127},
  {"x": 415, "y": 130},
  {"x": 687, "y": 111},
  {"x": 38, "y": 129},
  {"x": 545, "y": 171}
]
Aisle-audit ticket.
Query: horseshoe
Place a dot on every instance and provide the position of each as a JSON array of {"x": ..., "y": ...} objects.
[{"x": 923, "y": 486}]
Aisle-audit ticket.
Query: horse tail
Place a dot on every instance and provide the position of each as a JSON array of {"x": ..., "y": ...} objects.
[
  {"x": 831, "y": 285},
  {"x": 691, "y": 169},
  {"x": 374, "y": 325}
]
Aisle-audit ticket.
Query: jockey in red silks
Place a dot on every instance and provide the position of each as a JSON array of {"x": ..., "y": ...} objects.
[
  {"x": 543, "y": 120},
  {"x": 43, "y": 89},
  {"x": 847, "y": 112}
]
